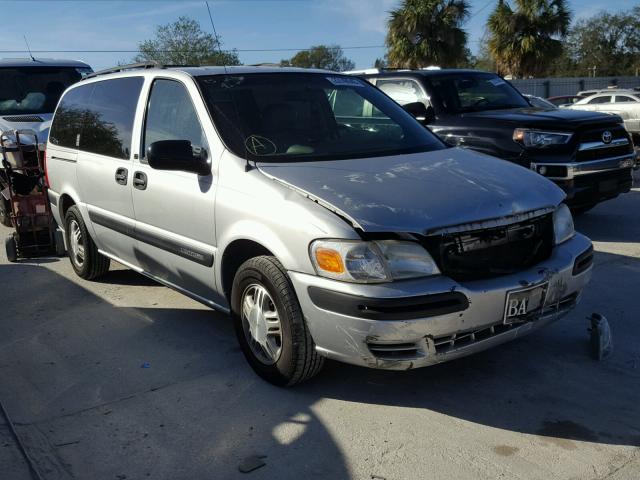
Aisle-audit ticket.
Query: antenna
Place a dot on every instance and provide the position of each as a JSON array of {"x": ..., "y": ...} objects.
[
  {"x": 28, "y": 47},
  {"x": 215, "y": 34},
  {"x": 247, "y": 165}
]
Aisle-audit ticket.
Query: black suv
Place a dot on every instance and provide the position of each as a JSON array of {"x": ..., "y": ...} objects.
[{"x": 590, "y": 155}]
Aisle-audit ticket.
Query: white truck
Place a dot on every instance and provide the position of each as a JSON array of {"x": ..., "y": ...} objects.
[{"x": 29, "y": 92}]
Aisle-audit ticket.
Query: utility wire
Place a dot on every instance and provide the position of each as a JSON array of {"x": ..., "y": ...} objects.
[
  {"x": 187, "y": 51},
  {"x": 481, "y": 9},
  {"x": 352, "y": 47}
]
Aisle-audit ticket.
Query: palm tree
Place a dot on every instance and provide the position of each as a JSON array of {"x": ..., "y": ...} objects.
[
  {"x": 428, "y": 32},
  {"x": 524, "y": 42}
]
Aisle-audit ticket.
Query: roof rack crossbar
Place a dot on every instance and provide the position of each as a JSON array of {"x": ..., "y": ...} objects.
[{"x": 122, "y": 68}]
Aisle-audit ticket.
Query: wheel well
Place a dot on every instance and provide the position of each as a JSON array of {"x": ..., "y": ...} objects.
[
  {"x": 66, "y": 202},
  {"x": 236, "y": 253}
]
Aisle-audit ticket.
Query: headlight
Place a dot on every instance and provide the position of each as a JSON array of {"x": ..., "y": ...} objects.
[
  {"x": 371, "y": 262},
  {"x": 563, "y": 228},
  {"x": 537, "y": 139}
]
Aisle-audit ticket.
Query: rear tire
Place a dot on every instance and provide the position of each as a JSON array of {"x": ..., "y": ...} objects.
[
  {"x": 261, "y": 292},
  {"x": 5, "y": 212},
  {"x": 11, "y": 249},
  {"x": 87, "y": 262}
]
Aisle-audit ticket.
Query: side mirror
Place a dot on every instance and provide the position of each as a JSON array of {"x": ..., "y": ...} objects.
[
  {"x": 177, "y": 155},
  {"x": 424, "y": 115}
]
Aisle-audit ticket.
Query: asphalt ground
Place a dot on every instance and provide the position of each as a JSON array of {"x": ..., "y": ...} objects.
[{"x": 125, "y": 379}]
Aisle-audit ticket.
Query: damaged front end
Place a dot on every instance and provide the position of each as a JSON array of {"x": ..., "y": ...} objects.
[
  {"x": 491, "y": 251},
  {"x": 500, "y": 279}
]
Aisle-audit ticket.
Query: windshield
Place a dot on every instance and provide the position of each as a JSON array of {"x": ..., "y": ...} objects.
[
  {"x": 473, "y": 92},
  {"x": 33, "y": 90},
  {"x": 294, "y": 117}
]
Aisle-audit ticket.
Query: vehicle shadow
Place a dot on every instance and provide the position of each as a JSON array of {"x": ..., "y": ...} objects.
[
  {"x": 98, "y": 391},
  {"x": 166, "y": 393},
  {"x": 127, "y": 277},
  {"x": 613, "y": 220},
  {"x": 546, "y": 384}
]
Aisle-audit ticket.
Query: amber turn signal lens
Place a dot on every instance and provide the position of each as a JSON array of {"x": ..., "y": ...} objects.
[{"x": 329, "y": 260}]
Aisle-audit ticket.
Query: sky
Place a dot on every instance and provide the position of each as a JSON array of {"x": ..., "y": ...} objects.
[{"x": 246, "y": 25}]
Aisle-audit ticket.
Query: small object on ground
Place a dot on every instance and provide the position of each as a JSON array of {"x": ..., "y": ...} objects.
[
  {"x": 601, "y": 341},
  {"x": 252, "y": 463},
  {"x": 145, "y": 365}
]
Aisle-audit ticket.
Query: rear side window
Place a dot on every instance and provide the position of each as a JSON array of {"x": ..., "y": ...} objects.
[
  {"x": 403, "y": 91},
  {"x": 67, "y": 122},
  {"x": 624, "y": 99},
  {"x": 107, "y": 120}
]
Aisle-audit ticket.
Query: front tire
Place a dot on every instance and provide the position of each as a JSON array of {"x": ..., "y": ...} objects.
[
  {"x": 269, "y": 324},
  {"x": 87, "y": 262}
]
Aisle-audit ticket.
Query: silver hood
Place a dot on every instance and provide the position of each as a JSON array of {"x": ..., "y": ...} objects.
[
  {"x": 8, "y": 123},
  {"x": 421, "y": 192}
]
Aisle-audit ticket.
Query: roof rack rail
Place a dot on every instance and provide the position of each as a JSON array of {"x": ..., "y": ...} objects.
[
  {"x": 122, "y": 68},
  {"x": 367, "y": 71}
]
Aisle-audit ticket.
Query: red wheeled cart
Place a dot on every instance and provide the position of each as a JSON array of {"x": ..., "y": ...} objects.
[{"x": 22, "y": 184}]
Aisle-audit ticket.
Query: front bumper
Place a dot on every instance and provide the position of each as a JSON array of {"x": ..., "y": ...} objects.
[
  {"x": 388, "y": 336},
  {"x": 587, "y": 183}
]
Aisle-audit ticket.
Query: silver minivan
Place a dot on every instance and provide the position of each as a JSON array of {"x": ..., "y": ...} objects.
[{"x": 312, "y": 208}]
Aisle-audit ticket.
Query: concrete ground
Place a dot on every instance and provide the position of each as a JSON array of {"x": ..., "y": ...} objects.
[{"x": 126, "y": 379}]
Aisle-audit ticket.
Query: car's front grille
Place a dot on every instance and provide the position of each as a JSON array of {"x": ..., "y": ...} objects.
[
  {"x": 592, "y": 146},
  {"x": 447, "y": 343},
  {"x": 492, "y": 252}
]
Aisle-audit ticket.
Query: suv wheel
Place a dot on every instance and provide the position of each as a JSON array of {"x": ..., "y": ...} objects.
[
  {"x": 269, "y": 324},
  {"x": 87, "y": 262}
]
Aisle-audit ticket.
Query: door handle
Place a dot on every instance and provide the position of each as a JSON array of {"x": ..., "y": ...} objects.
[
  {"x": 121, "y": 176},
  {"x": 140, "y": 181}
]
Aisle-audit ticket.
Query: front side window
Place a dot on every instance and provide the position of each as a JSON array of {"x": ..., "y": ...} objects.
[
  {"x": 172, "y": 116},
  {"x": 473, "y": 92},
  {"x": 603, "y": 99},
  {"x": 297, "y": 117},
  {"x": 67, "y": 121},
  {"x": 402, "y": 91},
  {"x": 34, "y": 90},
  {"x": 107, "y": 119}
]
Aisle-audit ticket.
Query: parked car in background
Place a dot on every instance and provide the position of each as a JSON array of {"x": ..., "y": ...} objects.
[
  {"x": 539, "y": 102},
  {"x": 588, "y": 154},
  {"x": 327, "y": 231},
  {"x": 624, "y": 103},
  {"x": 564, "y": 100},
  {"x": 588, "y": 93},
  {"x": 29, "y": 92}
]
